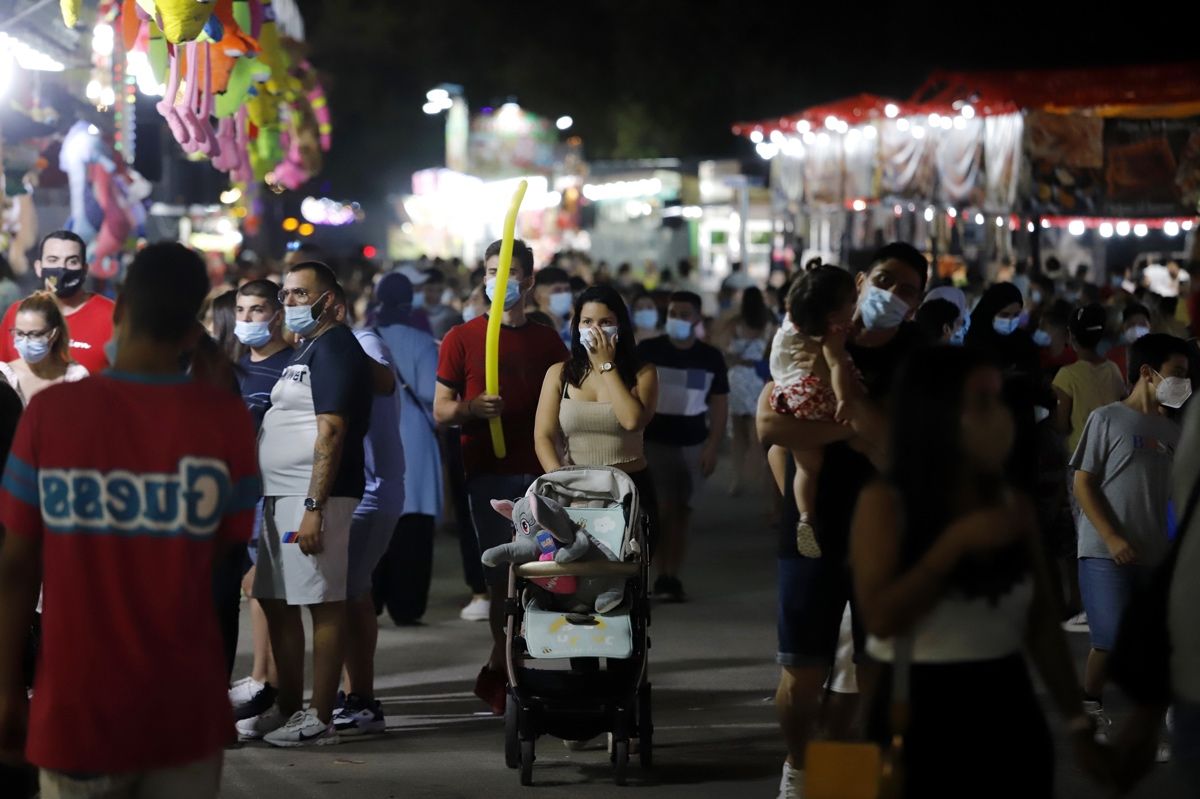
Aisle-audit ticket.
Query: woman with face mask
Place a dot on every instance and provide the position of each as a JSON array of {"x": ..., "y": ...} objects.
[
  {"x": 594, "y": 408},
  {"x": 951, "y": 584},
  {"x": 997, "y": 329},
  {"x": 746, "y": 339},
  {"x": 41, "y": 339}
]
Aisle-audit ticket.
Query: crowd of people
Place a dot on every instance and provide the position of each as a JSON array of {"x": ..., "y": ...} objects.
[{"x": 961, "y": 477}]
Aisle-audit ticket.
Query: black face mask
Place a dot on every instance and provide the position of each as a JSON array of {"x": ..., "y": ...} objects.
[{"x": 63, "y": 282}]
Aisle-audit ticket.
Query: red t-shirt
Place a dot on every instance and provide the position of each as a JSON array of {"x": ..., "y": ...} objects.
[
  {"x": 130, "y": 484},
  {"x": 90, "y": 327},
  {"x": 526, "y": 353}
]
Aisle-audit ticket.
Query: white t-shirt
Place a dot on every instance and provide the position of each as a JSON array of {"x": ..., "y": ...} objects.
[{"x": 1158, "y": 279}]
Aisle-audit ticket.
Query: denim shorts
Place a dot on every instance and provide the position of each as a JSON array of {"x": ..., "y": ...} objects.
[
  {"x": 813, "y": 593},
  {"x": 1106, "y": 588}
]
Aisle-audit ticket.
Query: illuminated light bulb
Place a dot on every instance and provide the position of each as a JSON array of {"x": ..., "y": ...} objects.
[
  {"x": 756, "y": 136},
  {"x": 1171, "y": 227},
  {"x": 1123, "y": 228},
  {"x": 891, "y": 111},
  {"x": 1140, "y": 229},
  {"x": 918, "y": 132},
  {"x": 1105, "y": 230},
  {"x": 902, "y": 125},
  {"x": 1076, "y": 227}
]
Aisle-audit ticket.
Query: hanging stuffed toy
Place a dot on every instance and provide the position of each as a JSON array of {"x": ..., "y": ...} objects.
[
  {"x": 104, "y": 256},
  {"x": 79, "y": 149},
  {"x": 183, "y": 20},
  {"x": 70, "y": 11},
  {"x": 166, "y": 106}
]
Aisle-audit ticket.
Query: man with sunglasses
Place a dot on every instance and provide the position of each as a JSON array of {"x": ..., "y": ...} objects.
[
  {"x": 62, "y": 265},
  {"x": 312, "y": 461}
]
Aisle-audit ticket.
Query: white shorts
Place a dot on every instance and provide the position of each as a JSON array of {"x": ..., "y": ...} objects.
[
  {"x": 284, "y": 572},
  {"x": 198, "y": 780}
]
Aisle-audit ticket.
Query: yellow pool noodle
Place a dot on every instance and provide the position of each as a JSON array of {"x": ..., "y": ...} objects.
[{"x": 491, "y": 360}]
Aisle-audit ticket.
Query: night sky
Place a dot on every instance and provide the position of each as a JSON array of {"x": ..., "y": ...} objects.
[{"x": 669, "y": 77}]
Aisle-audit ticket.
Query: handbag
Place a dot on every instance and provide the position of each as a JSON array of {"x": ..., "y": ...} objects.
[{"x": 862, "y": 770}]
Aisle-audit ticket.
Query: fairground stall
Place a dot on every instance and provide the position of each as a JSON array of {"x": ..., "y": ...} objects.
[{"x": 979, "y": 168}]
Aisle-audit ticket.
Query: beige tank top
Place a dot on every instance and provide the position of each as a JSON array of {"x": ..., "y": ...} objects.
[{"x": 593, "y": 435}]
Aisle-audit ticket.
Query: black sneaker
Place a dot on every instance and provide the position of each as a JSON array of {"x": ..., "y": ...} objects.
[
  {"x": 661, "y": 586},
  {"x": 676, "y": 592},
  {"x": 260, "y": 703},
  {"x": 359, "y": 717}
]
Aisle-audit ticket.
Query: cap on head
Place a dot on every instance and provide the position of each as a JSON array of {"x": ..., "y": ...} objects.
[{"x": 394, "y": 289}]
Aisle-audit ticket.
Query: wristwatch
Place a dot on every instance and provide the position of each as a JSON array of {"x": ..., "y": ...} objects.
[
  {"x": 607, "y": 366},
  {"x": 311, "y": 504}
]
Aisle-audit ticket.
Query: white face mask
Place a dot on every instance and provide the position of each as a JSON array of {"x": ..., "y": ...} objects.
[
  {"x": 587, "y": 335},
  {"x": 1172, "y": 392}
]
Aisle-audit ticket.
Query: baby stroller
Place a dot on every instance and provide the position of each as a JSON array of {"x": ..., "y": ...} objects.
[{"x": 606, "y": 687}]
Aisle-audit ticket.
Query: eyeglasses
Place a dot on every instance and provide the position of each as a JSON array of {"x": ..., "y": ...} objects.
[
  {"x": 301, "y": 295},
  {"x": 25, "y": 335}
]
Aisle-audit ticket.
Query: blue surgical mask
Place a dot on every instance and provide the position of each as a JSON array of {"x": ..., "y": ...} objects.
[
  {"x": 33, "y": 350},
  {"x": 418, "y": 300},
  {"x": 645, "y": 319},
  {"x": 301, "y": 319},
  {"x": 679, "y": 329},
  {"x": 1041, "y": 338},
  {"x": 1136, "y": 332},
  {"x": 882, "y": 310},
  {"x": 253, "y": 334},
  {"x": 1006, "y": 327},
  {"x": 561, "y": 303},
  {"x": 512, "y": 292},
  {"x": 959, "y": 336}
]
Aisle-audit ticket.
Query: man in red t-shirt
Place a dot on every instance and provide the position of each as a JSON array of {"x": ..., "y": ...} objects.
[
  {"x": 61, "y": 264},
  {"x": 527, "y": 350},
  {"x": 120, "y": 491}
]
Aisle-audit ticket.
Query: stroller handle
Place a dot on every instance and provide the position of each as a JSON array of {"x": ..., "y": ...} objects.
[{"x": 607, "y": 568}]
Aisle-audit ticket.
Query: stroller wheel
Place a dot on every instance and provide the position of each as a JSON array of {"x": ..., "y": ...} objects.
[
  {"x": 645, "y": 725},
  {"x": 512, "y": 743},
  {"x": 527, "y": 762},
  {"x": 620, "y": 761}
]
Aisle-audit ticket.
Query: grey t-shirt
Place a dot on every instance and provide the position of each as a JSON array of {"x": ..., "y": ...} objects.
[{"x": 1131, "y": 453}]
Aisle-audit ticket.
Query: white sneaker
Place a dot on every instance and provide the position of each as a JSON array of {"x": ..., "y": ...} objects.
[
  {"x": 1163, "y": 755},
  {"x": 244, "y": 690},
  {"x": 256, "y": 727},
  {"x": 303, "y": 729},
  {"x": 791, "y": 785},
  {"x": 478, "y": 609},
  {"x": 1100, "y": 720},
  {"x": 1077, "y": 623}
]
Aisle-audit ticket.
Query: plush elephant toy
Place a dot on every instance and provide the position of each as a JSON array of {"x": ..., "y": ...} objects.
[{"x": 544, "y": 531}]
